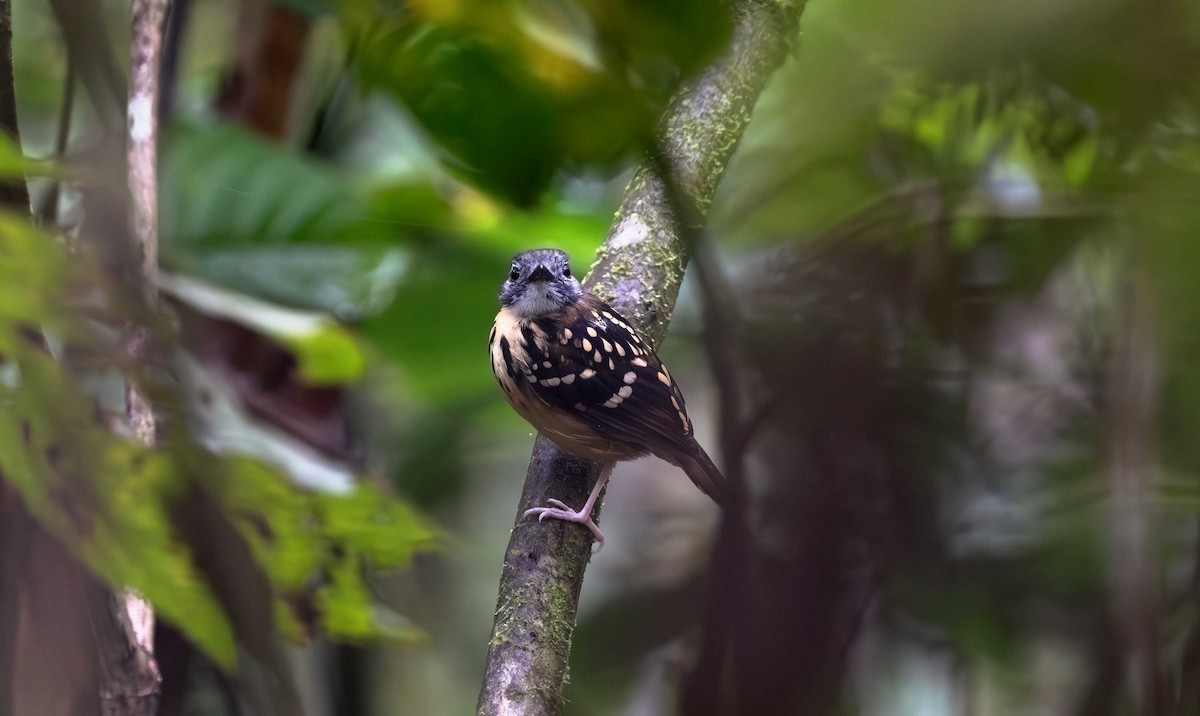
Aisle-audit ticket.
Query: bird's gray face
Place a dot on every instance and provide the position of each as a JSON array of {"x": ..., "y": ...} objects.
[{"x": 539, "y": 282}]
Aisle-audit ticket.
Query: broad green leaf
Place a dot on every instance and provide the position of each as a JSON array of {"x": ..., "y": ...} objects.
[
  {"x": 349, "y": 282},
  {"x": 300, "y": 535},
  {"x": 326, "y": 352},
  {"x": 15, "y": 165},
  {"x": 383, "y": 529},
  {"x": 225, "y": 187},
  {"x": 32, "y": 271},
  {"x": 349, "y": 612},
  {"x": 105, "y": 498},
  {"x": 516, "y": 93}
]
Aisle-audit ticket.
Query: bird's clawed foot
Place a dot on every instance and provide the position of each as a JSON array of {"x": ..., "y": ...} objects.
[{"x": 560, "y": 511}]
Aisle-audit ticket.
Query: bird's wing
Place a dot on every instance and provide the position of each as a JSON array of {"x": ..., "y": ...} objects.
[{"x": 592, "y": 364}]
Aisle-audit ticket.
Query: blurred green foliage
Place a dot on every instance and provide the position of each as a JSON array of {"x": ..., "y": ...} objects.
[
  {"x": 1027, "y": 162},
  {"x": 516, "y": 92}
]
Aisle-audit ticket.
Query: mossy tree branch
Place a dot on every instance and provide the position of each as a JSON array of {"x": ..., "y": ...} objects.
[{"x": 638, "y": 270}]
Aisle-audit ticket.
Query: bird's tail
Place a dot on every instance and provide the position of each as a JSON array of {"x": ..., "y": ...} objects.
[{"x": 707, "y": 476}]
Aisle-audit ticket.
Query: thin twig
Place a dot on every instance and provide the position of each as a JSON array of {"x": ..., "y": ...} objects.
[{"x": 47, "y": 210}]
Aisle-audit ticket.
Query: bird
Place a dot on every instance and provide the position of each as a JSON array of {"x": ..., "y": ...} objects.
[{"x": 579, "y": 372}]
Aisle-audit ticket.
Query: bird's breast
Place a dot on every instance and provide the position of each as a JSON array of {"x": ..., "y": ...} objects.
[{"x": 515, "y": 345}]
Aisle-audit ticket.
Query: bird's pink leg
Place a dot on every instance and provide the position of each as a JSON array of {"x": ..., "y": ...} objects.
[{"x": 561, "y": 511}]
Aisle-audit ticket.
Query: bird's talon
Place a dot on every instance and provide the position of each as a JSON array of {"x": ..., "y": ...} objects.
[{"x": 566, "y": 514}]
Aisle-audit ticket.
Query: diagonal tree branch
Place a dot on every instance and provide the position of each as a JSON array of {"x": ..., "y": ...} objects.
[{"x": 638, "y": 270}]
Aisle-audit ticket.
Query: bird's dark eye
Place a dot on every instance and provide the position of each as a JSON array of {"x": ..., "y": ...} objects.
[
  {"x": 514, "y": 274},
  {"x": 567, "y": 271}
]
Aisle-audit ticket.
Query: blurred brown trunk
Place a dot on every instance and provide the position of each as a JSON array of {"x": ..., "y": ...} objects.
[
  {"x": 258, "y": 93},
  {"x": 792, "y": 590},
  {"x": 1135, "y": 571}
]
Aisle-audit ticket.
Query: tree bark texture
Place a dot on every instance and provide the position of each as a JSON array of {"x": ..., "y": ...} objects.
[
  {"x": 638, "y": 270},
  {"x": 132, "y": 684}
]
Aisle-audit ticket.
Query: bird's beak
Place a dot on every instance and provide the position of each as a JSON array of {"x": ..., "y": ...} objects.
[{"x": 540, "y": 275}]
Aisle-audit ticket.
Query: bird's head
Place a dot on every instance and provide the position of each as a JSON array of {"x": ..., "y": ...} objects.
[{"x": 539, "y": 282}]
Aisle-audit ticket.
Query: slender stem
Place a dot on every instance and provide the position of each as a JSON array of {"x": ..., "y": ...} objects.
[
  {"x": 149, "y": 17},
  {"x": 638, "y": 270},
  {"x": 133, "y": 684},
  {"x": 13, "y": 195},
  {"x": 1135, "y": 571},
  {"x": 47, "y": 210}
]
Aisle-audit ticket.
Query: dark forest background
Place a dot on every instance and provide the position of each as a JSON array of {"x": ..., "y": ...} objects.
[{"x": 959, "y": 271}]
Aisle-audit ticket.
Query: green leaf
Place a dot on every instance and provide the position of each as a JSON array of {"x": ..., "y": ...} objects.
[
  {"x": 517, "y": 92},
  {"x": 224, "y": 187},
  {"x": 32, "y": 270},
  {"x": 105, "y": 498},
  {"x": 349, "y": 612},
  {"x": 384, "y": 530},
  {"x": 326, "y": 354},
  {"x": 299, "y": 535},
  {"x": 325, "y": 351},
  {"x": 349, "y": 282},
  {"x": 15, "y": 165}
]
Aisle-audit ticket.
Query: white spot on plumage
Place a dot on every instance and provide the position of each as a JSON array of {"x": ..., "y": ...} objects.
[
  {"x": 591, "y": 331},
  {"x": 607, "y": 345},
  {"x": 545, "y": 364},
  {"x": 625, "y": 391},
  {"x": 568, "y": 379},
  {"x": 662, "y": 377},
  {"x": 639, "y": 362},
  {"x": 586, "y": 373},
  {"x": 611, "y": 365},
  {"x": 630, "y": 377},
  {"x": 550, "y": 382},
  {"x": 620, "y": 349},
  {"x": 587, "y": 346}
]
